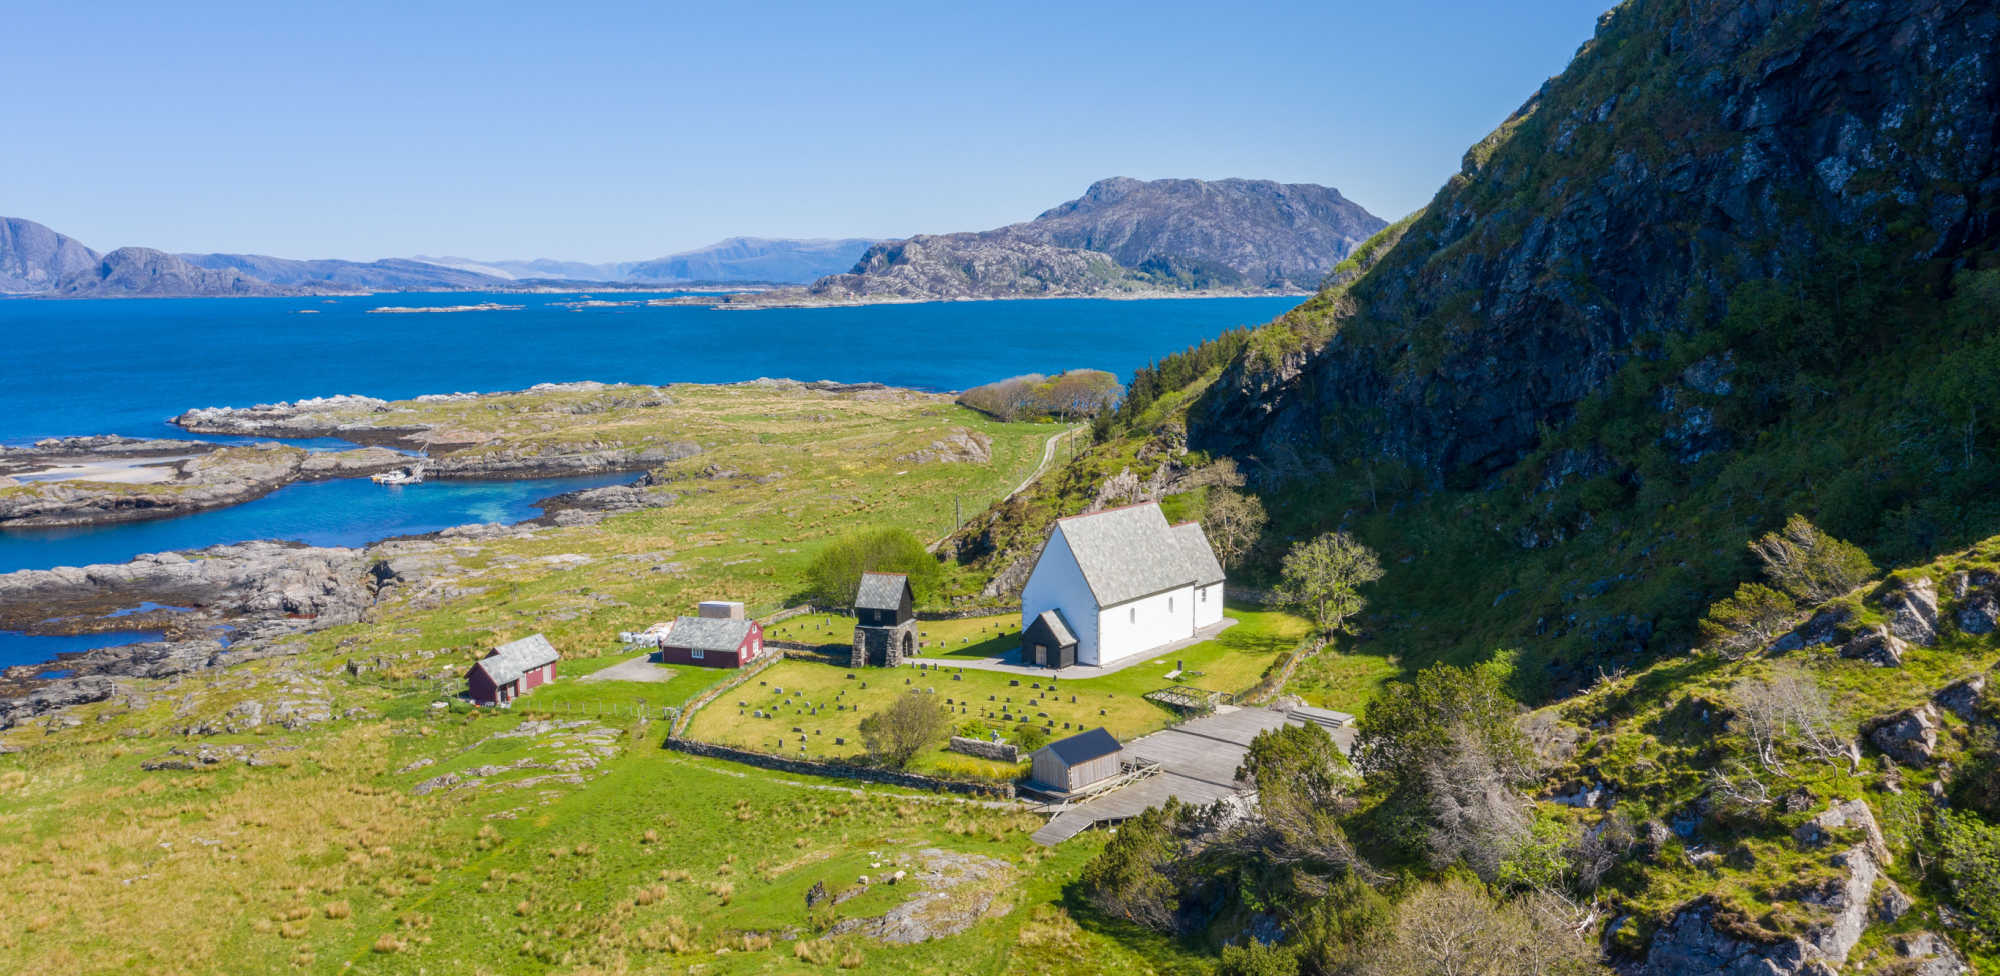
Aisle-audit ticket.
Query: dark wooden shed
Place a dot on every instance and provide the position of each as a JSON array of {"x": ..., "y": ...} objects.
[{"x": 1048, "y": 642}]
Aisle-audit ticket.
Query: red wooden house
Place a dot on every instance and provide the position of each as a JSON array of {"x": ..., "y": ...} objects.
[
  {"x": 710, "y": 642},
  {"x": 511, "y": 670}
]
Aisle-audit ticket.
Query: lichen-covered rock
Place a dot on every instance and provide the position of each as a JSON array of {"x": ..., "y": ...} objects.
[
  {"x": 1962, "y": 698},
  {"x": 1927, "y": 954},
  {"x": 1876, "y": 646},
  {"x": 1979, "y": 613},
  {"x": 1854, "y": 814},
  {"x": 1913, "y": 612},
  {"x": 1909, "y": 736},
  {"x": 1822, "y": 628}
]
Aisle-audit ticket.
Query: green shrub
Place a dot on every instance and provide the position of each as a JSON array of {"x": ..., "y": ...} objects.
[{"x": 835, "y": 573}]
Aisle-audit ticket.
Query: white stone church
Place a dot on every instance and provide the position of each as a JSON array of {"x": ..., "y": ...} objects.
[{"x": 1116, "y": 583}]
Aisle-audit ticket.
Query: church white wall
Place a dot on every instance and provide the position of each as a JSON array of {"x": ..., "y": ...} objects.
[
  {"x": 1207, "y": 605},
  {"x": 1142, "y": 625},
  {"x": 1057, "y": 584}
]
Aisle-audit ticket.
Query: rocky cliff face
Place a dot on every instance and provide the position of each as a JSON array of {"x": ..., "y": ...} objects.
[
  {"x": 34, "y": 258},
  {"x": 1689, "y": 148},
  {"x": 1123, "y": 236}
]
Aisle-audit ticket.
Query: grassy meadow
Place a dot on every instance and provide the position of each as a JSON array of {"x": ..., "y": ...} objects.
[{"x": 385, "y": 835}]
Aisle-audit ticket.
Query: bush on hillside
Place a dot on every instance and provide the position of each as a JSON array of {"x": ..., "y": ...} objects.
[
  {"x": 1074, "y": 395},
  {"x": 1809, "y": 564},
  {"x": 835, "y": 573}
]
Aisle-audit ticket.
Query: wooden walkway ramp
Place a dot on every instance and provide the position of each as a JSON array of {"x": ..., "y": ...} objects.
[{"x": 1198, "y": 764}]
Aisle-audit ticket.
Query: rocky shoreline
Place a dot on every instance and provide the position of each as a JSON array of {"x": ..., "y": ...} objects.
[{"x": 114, "y": 483}]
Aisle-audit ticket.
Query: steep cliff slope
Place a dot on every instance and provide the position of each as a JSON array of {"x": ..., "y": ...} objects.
[
  {"x": 33, "y": 258},
  {"x": 1734, "y": 262}
]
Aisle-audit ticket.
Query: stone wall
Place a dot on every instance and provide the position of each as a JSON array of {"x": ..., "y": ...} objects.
[
  {"x": 883, "y": 646},
  {"x": 866, "y": 774},
  {"x": 985, "y": 749}
]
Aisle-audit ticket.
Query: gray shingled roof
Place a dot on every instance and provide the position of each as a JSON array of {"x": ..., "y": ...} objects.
[
  {"x": 881, "y": 591},
  {"x": 1058, "y": 627},
  {"x": 1084, "y": 746},
  {"x": 1126, "y": 553},
  {"x": 1199, "y": 554},
  {"x": 707, "y": 634},
  {"x": 515, "y": 658}
]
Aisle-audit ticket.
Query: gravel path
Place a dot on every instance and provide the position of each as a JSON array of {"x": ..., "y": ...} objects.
[{"x": 640, "y": 668}]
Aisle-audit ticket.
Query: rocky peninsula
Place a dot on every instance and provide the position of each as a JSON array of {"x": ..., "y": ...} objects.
[{"x": 101, "y": 480}]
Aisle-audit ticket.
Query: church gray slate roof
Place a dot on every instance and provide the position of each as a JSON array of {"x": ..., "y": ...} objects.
[
  {"x": 707, "y": 634},
  {"x": 881, "y": 591},
  {"x": 515, "y": 658},
  {"x": 1199, "y": 554},
  {"x": 1127, "y": 553}
]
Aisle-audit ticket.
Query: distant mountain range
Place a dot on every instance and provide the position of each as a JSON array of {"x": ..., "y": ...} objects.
[
  {"x": 35, "y": 260},
  {"x": 1123, "y": 236},
  {"x": 738, "y": 259}
]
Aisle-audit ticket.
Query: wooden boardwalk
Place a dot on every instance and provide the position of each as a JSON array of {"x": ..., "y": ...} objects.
[{"x": 1198, "y": 764}]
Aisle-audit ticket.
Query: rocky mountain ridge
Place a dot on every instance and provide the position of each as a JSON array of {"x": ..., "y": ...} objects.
[{"x": 1121, "y": 237}]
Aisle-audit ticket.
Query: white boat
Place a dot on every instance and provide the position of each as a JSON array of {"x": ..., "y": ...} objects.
[{"x": 412, "y": 475}]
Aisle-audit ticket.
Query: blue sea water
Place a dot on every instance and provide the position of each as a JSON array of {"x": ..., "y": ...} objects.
[{"x": 125, "y": 366}]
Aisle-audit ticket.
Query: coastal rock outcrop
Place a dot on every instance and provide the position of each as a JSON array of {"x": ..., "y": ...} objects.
[{"x": 123, "y": 481}]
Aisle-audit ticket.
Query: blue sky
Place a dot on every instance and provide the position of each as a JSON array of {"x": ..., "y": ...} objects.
[{"x": 625, "y": 131}]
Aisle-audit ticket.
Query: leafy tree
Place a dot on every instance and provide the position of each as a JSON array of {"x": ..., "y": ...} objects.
[
  {"x": 1065, "y": 396},
  {"x": 1809, "y": 564},
  {"x": 834, "y": 574},
  {"x": 1749, "y": 619},
  {"x": 1323, "y": 577},
  {"x": 911, "y": 724},
  {"x": 1233, "y": 523}
]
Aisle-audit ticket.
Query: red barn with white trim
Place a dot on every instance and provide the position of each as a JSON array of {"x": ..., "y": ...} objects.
[
  {"x": 711, "y": 642},
  {"x": 511, "y": 670}
]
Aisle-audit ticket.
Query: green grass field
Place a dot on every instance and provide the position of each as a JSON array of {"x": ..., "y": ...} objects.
[{"x": 790, "y": 692}]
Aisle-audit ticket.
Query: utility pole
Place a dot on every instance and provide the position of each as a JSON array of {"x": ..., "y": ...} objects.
[{"x": 957, "y": 514}]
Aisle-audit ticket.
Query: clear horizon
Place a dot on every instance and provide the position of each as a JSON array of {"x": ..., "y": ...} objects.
[{"x": 628, "y": 132}]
